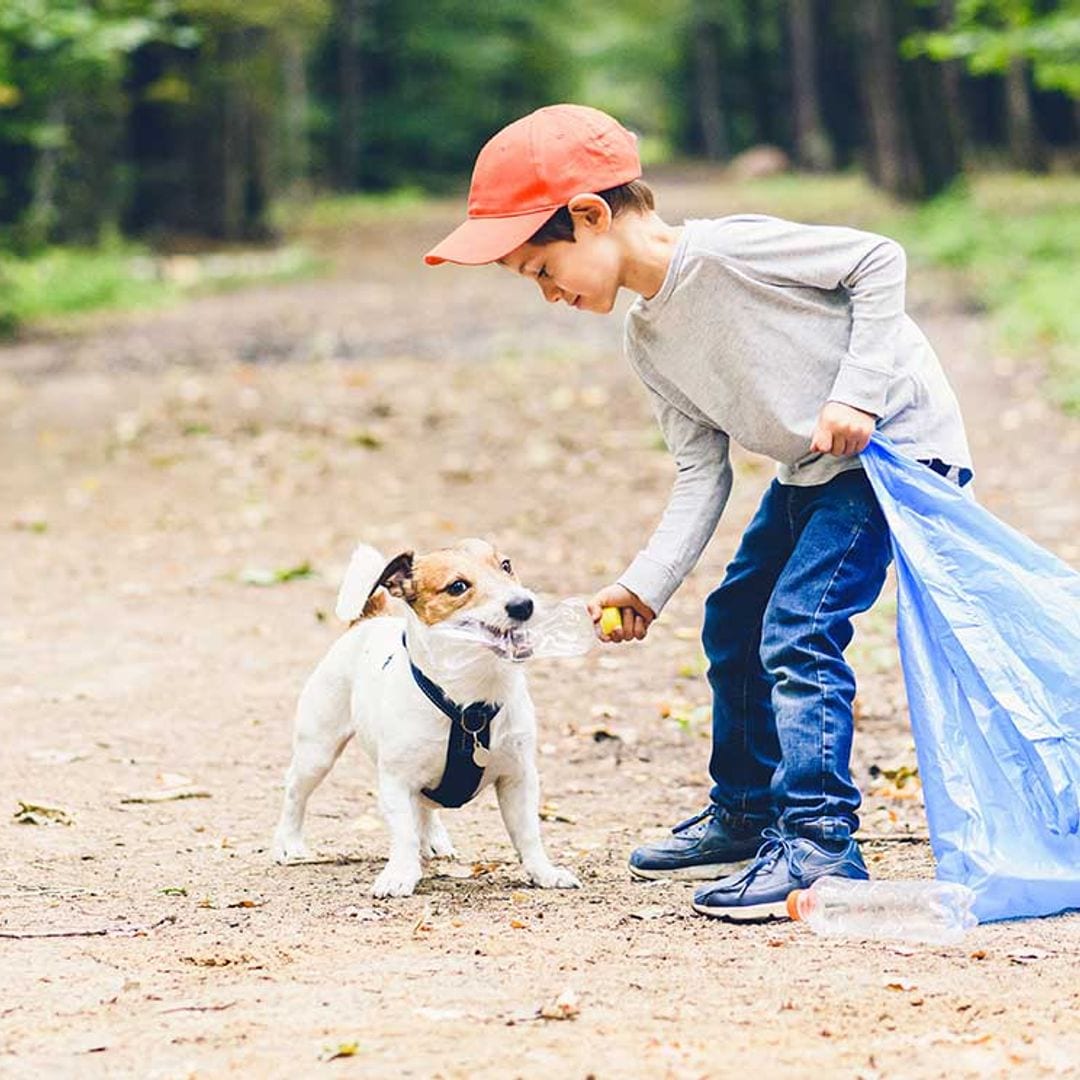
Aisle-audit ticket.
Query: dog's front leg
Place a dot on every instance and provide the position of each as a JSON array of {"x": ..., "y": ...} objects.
[
  {"x": 519, "y": 803},
  {"x": 401, "y": 810}
]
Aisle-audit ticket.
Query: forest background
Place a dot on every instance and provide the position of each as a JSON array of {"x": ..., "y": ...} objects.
[{"x": 135, "y": 128}]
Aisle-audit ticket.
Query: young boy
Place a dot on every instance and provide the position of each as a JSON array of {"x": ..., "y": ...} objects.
[{"x": 792, "y": 340}]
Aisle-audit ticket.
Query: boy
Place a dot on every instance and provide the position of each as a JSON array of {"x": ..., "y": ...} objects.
[{"x": 791, "y": 339}]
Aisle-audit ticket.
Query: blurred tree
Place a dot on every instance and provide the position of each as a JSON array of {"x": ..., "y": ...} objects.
[
  {"x": 411, "y": 88},
  {"x": 911, "y": 146},
  {"x": 813, "y": 149},
  {"x": 1019, "y": 40},
  {"x": 218, "y": 129},
  {"x": 62, "y": 110}
]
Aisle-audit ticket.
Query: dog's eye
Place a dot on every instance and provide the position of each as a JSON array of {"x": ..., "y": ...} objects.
[
  {"x": 456, "y": 588},
  {"x": 507, "y": 567}
]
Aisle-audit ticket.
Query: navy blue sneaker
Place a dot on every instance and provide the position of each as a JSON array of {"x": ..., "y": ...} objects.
[
  {"x": 783, "y": 863},
  {"x": 701, "y": 848}
]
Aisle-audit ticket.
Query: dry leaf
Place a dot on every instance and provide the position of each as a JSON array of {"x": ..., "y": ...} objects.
[
  {"x": 33, "y": 814},
  {"x": 342, "y": 1050}
]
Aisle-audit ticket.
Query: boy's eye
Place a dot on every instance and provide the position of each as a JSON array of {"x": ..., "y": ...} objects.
[
  {"x": 542, "y": 272},
  {"x": 456, "y": 588},
  {"x": 507, "y": 567}
]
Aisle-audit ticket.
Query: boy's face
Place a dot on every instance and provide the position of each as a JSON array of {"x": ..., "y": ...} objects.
[{"x": 586, "y": 274}]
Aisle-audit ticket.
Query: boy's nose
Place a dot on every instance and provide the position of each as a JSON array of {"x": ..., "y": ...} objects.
[{"x": 520, "y": 609}]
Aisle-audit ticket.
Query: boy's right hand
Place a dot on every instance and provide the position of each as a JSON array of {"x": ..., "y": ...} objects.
[{"x": 636, "y": 614}]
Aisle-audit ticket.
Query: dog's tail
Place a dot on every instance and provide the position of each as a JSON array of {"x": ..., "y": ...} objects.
[{"x": 355, "y": 600}]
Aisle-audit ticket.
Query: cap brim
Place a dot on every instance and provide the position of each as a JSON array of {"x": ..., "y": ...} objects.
[{"x": 480, "y": 240}]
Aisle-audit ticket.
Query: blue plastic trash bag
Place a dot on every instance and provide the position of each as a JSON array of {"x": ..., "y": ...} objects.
[{"x": 989, "y": 630}]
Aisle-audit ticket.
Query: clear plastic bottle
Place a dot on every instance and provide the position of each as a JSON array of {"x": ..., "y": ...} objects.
[{"x": 934, "y": 911}]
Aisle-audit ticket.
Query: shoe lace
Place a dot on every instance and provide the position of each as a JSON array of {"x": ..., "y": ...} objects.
[
  {"x": 690, "y": 822},
  {"x": 775, "y": 846}
]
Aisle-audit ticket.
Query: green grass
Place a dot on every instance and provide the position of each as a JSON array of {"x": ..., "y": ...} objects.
[
  {"x": 1015, "y": 240},
  {"x": 70, "y": 280},
  {"x": 63, "y": 281}
]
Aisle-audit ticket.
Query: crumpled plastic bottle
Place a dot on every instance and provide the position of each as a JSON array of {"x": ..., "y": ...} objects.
[{"x": 557, "y": 629}]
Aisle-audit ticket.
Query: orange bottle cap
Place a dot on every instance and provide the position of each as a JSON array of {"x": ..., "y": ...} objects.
[{"x": 793, "y": 903}]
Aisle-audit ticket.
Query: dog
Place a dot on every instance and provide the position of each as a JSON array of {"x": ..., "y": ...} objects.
[{"x": 438, "y": 701}]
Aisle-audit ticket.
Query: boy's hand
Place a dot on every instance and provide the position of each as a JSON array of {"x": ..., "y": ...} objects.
[
  {"x": 842, "y": 430},
  {"x": 636, "y": 614}
]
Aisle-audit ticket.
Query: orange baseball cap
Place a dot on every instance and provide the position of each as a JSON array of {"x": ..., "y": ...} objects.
[{"x": 529, "y": 170}]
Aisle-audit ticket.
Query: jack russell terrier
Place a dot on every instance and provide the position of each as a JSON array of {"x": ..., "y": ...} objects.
[{"x": 440, "y": 716}]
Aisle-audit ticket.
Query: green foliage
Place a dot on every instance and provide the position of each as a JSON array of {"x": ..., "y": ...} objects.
[
  {"x": 1017, "y": 241},
  {"x": 989, "y": 34}
]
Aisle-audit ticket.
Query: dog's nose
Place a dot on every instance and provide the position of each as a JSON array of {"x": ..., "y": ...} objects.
[{"x": 520, "y": 609}]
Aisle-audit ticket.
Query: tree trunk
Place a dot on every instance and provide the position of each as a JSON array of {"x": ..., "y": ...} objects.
[
  {"x": 350, "y": 93},
  {"x": 295, "y": 159},
  {"x": 1024, "y": 147},
  {"x": 952, "y": 77},
  {"x": 707, "y": 89},
  {"x": 41, "y": 213},
  {"x": 879, "y": 75},
  {"x": 812, "y": 147}
]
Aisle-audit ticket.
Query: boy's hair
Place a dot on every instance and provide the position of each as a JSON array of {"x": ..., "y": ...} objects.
[{"x": 636, "y": 196}]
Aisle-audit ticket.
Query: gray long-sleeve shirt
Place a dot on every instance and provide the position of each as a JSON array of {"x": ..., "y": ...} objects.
[{"x": 759, "y": 322}]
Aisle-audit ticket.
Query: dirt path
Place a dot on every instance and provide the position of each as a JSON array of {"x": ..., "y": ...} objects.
[{"x": 150, "y": 461}]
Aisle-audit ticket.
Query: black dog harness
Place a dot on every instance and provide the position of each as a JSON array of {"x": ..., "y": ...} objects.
[{"x": 470, "y": 725}]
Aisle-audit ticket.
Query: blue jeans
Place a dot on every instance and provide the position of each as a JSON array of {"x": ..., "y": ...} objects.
[{"x": 775, "y": 634}]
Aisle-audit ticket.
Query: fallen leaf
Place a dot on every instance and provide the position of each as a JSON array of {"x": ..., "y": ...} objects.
[
  {"x": 342, "y": 1050},
  {"x": 550, "y": 812},
  {"x": 35, "y": 814},
  {"x": 517, "y": 924}
]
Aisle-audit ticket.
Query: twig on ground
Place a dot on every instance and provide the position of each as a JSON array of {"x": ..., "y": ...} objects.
[
  {"x": 200, "y": 1008},
  {"x": 895, "y": 838},
  {"x": 106, "y": 931}
]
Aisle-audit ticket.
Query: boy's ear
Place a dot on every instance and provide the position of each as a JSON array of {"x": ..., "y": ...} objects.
[
  {"x": 591, "y": 211},
  {"x": 397, "y": 577}
]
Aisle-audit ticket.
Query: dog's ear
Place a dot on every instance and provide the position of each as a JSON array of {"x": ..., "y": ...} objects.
[{"x": 397, "y": 577}]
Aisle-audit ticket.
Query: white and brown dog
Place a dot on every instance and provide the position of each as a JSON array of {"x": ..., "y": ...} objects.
[{"x": 441, "y": 718}]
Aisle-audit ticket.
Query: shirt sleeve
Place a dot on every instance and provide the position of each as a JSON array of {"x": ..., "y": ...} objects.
[
  {"x": 698, "y": 496},
  {"x": 871, "y": 268}
]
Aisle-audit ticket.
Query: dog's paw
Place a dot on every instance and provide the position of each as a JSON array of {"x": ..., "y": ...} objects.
[
  {"x": 287, "y": 849},
  {"x": 439, "y": 847},
  {"x": 552, "y": 877},
  {"x": 395, "y": 882}
]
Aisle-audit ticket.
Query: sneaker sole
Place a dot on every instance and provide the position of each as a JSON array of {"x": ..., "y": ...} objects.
[
  {"x": 752, "y": 914},
  {"x": 706, "y": 872}
]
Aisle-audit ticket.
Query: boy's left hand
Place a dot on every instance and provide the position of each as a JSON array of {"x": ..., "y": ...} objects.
[{"x": 842, "y": 430}]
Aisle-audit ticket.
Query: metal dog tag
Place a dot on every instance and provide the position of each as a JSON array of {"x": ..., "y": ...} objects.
[{"x": 481, "y": 755}]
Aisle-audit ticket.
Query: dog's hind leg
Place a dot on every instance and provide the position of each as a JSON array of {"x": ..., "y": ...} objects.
[
  {"x": 434, "y": 839},
  {"x": 322, "y": 729}
]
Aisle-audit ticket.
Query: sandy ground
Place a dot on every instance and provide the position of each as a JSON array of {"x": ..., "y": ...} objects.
[{"x": 154, "y": 462}]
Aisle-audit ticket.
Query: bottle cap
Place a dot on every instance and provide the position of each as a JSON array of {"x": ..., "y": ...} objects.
[{"x": 793, "y": 903}]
